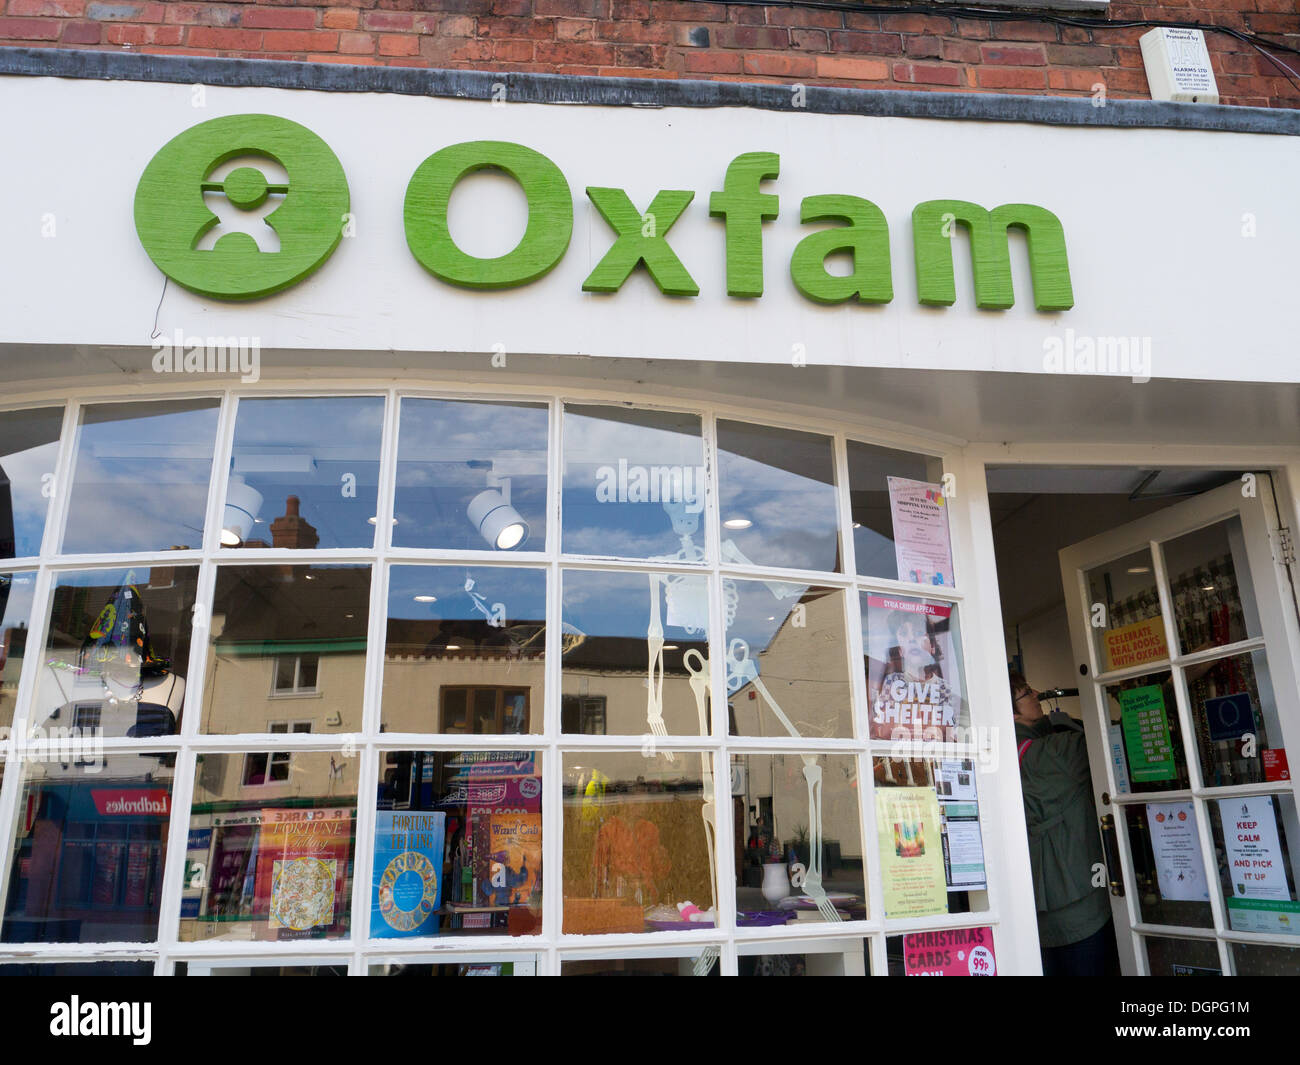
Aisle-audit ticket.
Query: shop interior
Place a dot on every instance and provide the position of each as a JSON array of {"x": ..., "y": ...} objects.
[{"x": 1038, "y": 511}]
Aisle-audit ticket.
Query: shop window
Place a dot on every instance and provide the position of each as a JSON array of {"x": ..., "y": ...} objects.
[
  {"x": 304, "y": 473},
  {"x": 15, "y": 618},
  {"x": 454, "y": 966},
  {"x": 1143, "y": 724},
  {"x": 117, "y": 653},
  {"x": 293, "y": 622},
  {"x": 834, "y": 957},
  {"x": 271, "y": 862},
  {"x": 636, "y": 963},
  {"x": 296, "y": 674},
  {"x": 1260, "y": 959},
  {"x": 471, "y": 476},
  {"x": 778, "y": 501},
  {"x": 898, "y": 508},
  {"x": 1182, "y": 957},
  {"x": 638, "y": 642},
  {"x": 29, "y": 451},
  {"x": 465, "y": 649},
  {"x": 1254, "y": 835},
  {"x": 916, "y": 687},
  {"x": 584, "y": 715},
  {"x": 634, "y": 484},
  {"x": 89, "y": 852},
  {"x": 458, "y": 844},
  {"x": 1208, "y": 573},
  {"x": 273, "y": 768},
  {"x": 639, "y": 838},
  {"x": 787, "y": 660},
  {"x": 802, "y": 858},
  {"x": 931, "y": 845},
  {"x": 141, "y": 475}
]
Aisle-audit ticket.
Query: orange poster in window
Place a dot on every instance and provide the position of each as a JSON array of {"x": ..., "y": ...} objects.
[
  {"x": 1136, "y": 644},
  {"x": 302, "y": 871}
]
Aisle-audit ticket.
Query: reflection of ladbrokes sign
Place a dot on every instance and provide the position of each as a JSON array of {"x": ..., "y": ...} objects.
[
  {"x": 118, "y": 803},
  {"x": 311, "y": 215}
]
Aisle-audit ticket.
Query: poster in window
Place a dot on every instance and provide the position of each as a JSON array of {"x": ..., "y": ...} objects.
[
  {"x": 922, "y": 545},
  {"x": 302, "y": 863},
  {"x": 406, "y": 889},
  {"x": 911, "y": 852},
  {"x": 912, "y": 676}
]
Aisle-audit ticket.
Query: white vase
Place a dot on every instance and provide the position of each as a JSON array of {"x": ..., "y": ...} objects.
[{"x": 776, "y": 882}]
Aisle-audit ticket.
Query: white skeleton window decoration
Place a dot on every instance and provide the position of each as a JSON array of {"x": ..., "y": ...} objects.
[{"x": 687, "y": 607}]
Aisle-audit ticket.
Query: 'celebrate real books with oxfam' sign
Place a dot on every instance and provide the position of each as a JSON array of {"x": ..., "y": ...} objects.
[{"x": 407, "y": 884}]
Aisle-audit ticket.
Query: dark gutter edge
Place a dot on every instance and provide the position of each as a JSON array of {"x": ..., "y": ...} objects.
[{"x": 640, "y": 92}]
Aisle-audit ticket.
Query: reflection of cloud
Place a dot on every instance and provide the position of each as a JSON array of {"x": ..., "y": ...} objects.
[
  {"x": 332, "y": 420},
  {"x": 24, "y": 469},
  {"x": 433, "y": 428},
  {"x": 594, "y": 442}
]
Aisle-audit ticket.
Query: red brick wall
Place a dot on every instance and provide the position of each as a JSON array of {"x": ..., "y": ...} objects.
[{"x": 670, "y": 38}]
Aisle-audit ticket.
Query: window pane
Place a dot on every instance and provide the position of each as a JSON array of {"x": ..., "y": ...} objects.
[
  {"x": 1165, "y": 845},
  {"x": 118, "y": 650},
  {"x": 1143, "y": 718},
  {"x": 835, "y": 957},
  {"x": 140, "y": 482},
  {"x": 1236, "y": 717},
  {"x": 638, "y": 839},
  {"x": 88, "y": 852},
  {"x": 787, "y": 660},
  {"x": 79, "y": 968},
  {"x": 262, "y": 615},
  {"x": 16, "y": 591},
  {"x": 271, "y": 862},
  {"x": 304, "y": 473},
  {"x": 1208, "y": 574},
  {"x": 915, "y": 683},
  {"x": 704, "y": 963},
  {"x": 803, "y": 826},
  {"x": 465, "y": 649},
  {"x": 471, "y": 476},
  {"x": 1259, "y": 959},
  {"x": 458, "y": 844},
  {"x": 1122, "y": 596},
  {"x": 1182, "y": 957},
  {"x": 1254, "y": 833},
  {"x": 636, "y": 653},
  {"x": 928, "y": 830},
  {"x": 634, "y": 484},
  {"x": 453, "y": 966},
  {"x": 872, "y": 505},
  {"x": 778, "y": 503},
  {"x": 29, "y": 449}
]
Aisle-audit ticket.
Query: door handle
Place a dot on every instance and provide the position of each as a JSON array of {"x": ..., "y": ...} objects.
[{"x": 1110, "y": 849}]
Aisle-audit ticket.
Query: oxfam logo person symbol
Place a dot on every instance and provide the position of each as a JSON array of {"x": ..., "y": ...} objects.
[{"x": 171, "y": 215}]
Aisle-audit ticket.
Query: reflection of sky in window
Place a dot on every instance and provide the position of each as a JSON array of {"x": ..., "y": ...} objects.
[
  {"x": 446, "y": 451},
  {"x": 760, "y": 615},
  {"x": 28, "y": 451},
  {"x": 141, "y": 476},
  {"x": 870, "y": 468},
  {"x": 317, "y": 449},
  {"x": 609, "y": 454},
  {"x": 16, "y": 602},
  {"x": 521, "y": 591},
  {"x": 784, "y": 483},
  {"x": 618, "y": 605}
]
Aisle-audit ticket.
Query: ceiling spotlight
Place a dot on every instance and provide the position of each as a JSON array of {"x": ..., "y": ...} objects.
[
  {"x": 243, "y": 501},
  {"x": 426, "y": 598},
  {"x": 1139, "y": 569},
  {"x": 452, "y": 647},
  {"x": 737, "y": 523},
  {"x": 495, "y": 519},
  {"x": 374, "y": 520}
]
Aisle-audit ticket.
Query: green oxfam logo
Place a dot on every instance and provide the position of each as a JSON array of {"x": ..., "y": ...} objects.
[{"x": 172, "y": 216}]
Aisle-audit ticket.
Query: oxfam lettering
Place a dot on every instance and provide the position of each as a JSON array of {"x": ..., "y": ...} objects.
[{"x": 171, "y": 217}]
